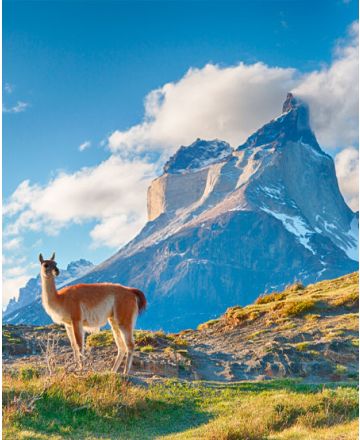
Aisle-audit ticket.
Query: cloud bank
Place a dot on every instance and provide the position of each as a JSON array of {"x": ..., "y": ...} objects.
[
  {"x": 347, "y": 170},
  {"x": 113, "y": 194},
  {"x": 231, "y": 102},
  {"x": 212, "y": 102}
]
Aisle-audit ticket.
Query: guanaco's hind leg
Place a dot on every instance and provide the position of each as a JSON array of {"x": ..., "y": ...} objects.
[
  {"x": 127, "y": 334},
  {"x": 119, "y": 343}
]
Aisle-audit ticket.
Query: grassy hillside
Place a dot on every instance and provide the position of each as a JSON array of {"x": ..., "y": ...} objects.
[{"x": 301, "y": 346}]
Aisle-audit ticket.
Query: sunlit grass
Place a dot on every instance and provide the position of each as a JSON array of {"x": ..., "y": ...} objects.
[{"x": 105, "y": 406}]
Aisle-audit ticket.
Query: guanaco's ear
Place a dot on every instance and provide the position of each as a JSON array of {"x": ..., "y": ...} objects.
[
  {"x": 41, "y": 259},
  {"x": 52, "y": 258}
]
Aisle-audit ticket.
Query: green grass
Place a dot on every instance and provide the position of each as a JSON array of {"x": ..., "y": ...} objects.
[
  {"x": 207, "y": 324},
  {"x": 297, "y": 308},
  {"x": 147, "y": 348},
  {"x": 310, "y": 303},
  {"x": 302, "y": 346},
  {"x": 103, "y": 406},
  {"x": 104, "y": 338}
]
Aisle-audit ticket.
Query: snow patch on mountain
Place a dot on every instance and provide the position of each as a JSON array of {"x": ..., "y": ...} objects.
[
  {"x": 352, "y": 247},
  {"x": 296, "y": 226}
]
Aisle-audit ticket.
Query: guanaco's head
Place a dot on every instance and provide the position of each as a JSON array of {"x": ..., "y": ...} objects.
[{"x": 48, "y": 267}]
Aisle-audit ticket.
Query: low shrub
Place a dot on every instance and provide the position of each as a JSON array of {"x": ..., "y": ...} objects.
[
  {"x": 302, "y": 346},
  {"x": 101, "y": 339},
  {"x": 147, "y": 348},
  {"x": 296, "y": 308},
  {"x": 271, "y": 297},
  {"x": 29, "y": 372},
  {"x": 295, "y": 287},
  {"x": 143, "y": 338},
  {"x": 208, "y": 324}
]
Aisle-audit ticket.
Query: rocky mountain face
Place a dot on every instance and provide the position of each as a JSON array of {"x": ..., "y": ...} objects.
[
  {"x": 228, "y": 224},
  {"x": 25, "y": 309}
]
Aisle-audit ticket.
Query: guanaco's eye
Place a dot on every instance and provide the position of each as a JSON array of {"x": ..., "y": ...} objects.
[{"x": 46, "y": 265}]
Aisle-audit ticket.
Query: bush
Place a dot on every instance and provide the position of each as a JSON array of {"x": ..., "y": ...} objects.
[
  {"x": 147, "y": 348},
  {"x": 143, "y": 338},
  {"x": 102, "y": 339},
  {"x": 302, "y": 346},
  {"x": 297, "y": 308},
  {"x": 295, "y": 287},
  {"x": 29, "y": 373},
  {"x": 271, "y": 297},
  {"x": 208, "y": 324}
]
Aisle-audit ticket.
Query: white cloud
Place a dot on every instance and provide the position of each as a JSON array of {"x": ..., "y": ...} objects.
[
  {"x": 12, "y": 244},
  {"x": 333, "y": 95},
  {"x": 11, "y": 286},
  {"x": 19, "y": 107},
  {"x": 113, "y": 193},
  {"x": 212, "y": 102},
  {"x": 9, "y": 88},
  {"x": 231, "y": 102},
  {"x": 84, "y": 145},
  {"x": 115, "y": 231},
  {"x": 347, "y": 170}
]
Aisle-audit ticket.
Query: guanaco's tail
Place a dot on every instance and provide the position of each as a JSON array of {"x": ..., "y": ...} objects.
[{"x": 140, "y": 299}]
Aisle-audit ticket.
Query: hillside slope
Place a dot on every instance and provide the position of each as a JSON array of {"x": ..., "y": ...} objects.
[{"x": 309, "y": 333}]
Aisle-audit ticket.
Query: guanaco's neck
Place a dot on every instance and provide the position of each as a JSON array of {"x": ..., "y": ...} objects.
[{"x": 49, "y": 293}]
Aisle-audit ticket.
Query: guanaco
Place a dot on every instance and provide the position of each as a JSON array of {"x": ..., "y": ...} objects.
[{"x": 86, "y": 307}]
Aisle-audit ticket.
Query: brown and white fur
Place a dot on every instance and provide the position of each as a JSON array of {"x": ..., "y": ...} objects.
[{"x": 87, "y": 307}]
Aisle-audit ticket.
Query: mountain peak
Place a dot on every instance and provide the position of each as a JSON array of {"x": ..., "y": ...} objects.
[
  {"x": 292, "y": 125},
  {"x": 197, "y": 155},
  {"x": 290, "y": 103}
]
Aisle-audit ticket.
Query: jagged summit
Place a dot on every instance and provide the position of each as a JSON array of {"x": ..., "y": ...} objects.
[
  {"x": 81, "y": 265},
  {"x": 199, "y": 154},
  {"x": 290, "y": 103},
  {"x": 292, "y": 125}
]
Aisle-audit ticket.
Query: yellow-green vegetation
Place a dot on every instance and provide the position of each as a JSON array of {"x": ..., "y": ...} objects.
[
  {"x": 312, "y": 317},
  {"x": 177, "y": 339},
  {"x": 302, "y": 346},
  {"x": 145, "y": 341},
  {"x": 340, "y": 369},
  {"x": 207, "y": 324},
  {"x": 101, "y": 339},
  {"x": 256, "y": 334},
  {"x": 146, "y": 348},
  {"x": 295, "y": 287},
  {"x": 10, "y": 337},
  {"x": 271, "y": 297},
  {"x": 296, "y": 308},
  {"x": 349, "y": 300},
  {"x": 104, "y": 406},
  {"x": 310, "y": 303}
]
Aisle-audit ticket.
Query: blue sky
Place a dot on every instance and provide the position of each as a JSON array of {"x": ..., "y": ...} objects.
[{"x": 79, "y": 72}]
